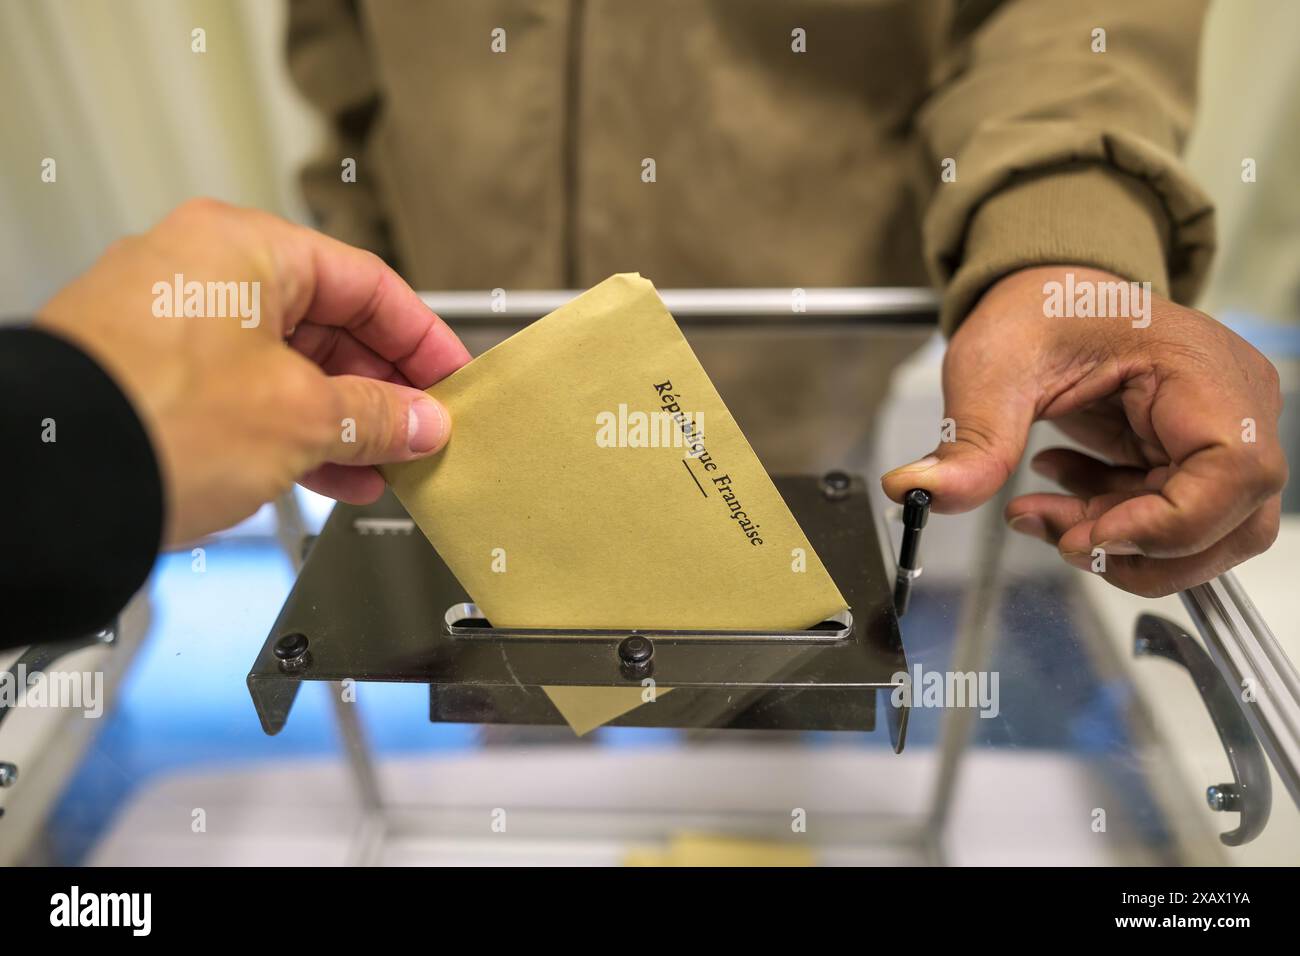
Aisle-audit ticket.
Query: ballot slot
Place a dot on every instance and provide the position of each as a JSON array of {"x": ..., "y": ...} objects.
[{"x": 466, "y": 621}]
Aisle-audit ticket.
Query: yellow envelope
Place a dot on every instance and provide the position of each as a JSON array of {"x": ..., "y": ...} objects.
[
  {"x": 701, "y": 849},
  {"x": 595, "y": 479}
]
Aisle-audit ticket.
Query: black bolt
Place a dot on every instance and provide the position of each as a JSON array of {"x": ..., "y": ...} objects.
[
  {"x": 636, "y": 657},
  {"x": 835, "y": 485},
  {"x": 916, "y": 508},
  {"x": 636, "y": 650},
  {"x": 8, "y": 774},
  {"x": 291, "y": 647}
]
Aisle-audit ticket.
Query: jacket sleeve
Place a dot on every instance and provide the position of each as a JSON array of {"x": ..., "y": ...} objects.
[
  {"x": 81, "y": 491},
  {"x": 1066, "y": 143},
  {"x": 329, "y": 61}
]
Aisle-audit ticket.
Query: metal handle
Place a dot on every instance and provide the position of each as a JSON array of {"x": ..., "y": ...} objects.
[
  {"x": 38, "y": 657},
  {"x": 1265, "y": 684},
  {"x": 1250, "y": 794}
]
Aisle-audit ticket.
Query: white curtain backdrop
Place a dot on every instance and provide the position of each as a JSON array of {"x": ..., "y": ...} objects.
[{"x": 136, "y": 123}]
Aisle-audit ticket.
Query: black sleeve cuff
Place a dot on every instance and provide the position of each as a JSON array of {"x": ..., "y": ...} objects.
[{"x": 82, "y": 492}]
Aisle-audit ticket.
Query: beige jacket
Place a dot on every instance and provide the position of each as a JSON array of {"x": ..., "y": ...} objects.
[{"x": 527, "y": 168}]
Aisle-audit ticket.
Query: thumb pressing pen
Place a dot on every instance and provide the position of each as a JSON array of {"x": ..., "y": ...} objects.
[{"x": 916, "y": 510}]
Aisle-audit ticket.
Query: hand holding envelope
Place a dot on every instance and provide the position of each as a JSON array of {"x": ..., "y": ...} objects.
[{"x": 595, "y": 479}]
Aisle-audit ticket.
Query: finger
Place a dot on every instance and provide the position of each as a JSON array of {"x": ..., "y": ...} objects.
[
  {"x": 1157, "y": 577},
  {"x": 355, "y": 291},
  {"x": 1202, "y": 500},
  {"x": 990, "y": 416},
  {"x": 1086, "y": 476},
  {"x": 1104, "y": 428},
  {"x": 382, "y": 422},
  {"x": 1049, "y": 516},
  {"x": 338, "y": 353},
  {"x": 1216, "y": 481},
  {"x": 1045, "y": 516},
  {"x": 355, "y": 484}
]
